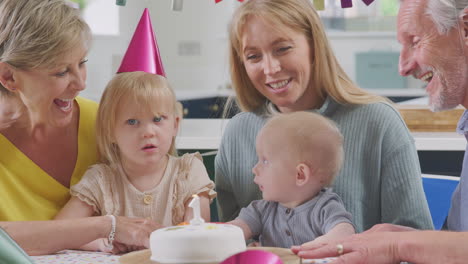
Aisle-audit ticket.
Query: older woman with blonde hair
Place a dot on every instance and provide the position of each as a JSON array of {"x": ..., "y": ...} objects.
[
  {"x": 43, "y": 48},
  {"x": 281, "y": 61}
]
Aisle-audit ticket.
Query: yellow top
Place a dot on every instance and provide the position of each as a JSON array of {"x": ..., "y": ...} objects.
[{"x": 29, "y": 193}]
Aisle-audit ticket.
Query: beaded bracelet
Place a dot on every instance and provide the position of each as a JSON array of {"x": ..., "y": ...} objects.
[{"x": 110, "y": 240}]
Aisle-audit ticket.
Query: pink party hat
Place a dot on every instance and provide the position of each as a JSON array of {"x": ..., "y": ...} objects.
[{"x": 143, "y": 53}]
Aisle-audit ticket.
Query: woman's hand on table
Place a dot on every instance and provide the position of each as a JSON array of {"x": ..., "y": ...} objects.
[
  {"x": 378, "y": 245},
  {"x": 372, "y": 247}
]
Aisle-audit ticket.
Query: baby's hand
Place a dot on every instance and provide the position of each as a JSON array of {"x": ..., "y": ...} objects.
[{"x": 254, "y": 244}]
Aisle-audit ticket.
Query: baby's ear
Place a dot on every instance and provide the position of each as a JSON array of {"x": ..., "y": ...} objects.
[{"x": 303, "y": 174}]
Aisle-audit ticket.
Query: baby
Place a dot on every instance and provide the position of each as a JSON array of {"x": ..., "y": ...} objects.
[
  {"x": 299, "y": 154},
  {"x": 11, "y": 108}
]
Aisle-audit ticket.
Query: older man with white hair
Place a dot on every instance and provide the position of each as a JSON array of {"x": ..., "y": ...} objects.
[{"x": 434, "y": 38}]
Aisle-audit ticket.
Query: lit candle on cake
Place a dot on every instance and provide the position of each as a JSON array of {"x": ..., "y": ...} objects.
[{"x": 195, "y": 205}]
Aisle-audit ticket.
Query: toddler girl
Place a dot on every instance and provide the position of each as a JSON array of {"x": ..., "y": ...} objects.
[{"x": 140, "y": 174}]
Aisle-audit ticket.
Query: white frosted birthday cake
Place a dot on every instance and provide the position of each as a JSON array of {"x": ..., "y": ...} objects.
[{"x": 202, "y": 243}]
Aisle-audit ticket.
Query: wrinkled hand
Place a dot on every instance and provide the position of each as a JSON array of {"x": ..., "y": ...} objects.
[
  {"x": 134, "y": 232},
  {"x": 372, "y": 248}
]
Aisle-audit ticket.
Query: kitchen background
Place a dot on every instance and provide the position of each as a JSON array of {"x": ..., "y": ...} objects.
[{"x": 193, "y": 44}]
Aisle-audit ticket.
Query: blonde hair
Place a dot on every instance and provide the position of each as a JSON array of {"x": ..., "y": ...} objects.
[
  {"x": 37, "y": 33},
  {"x": 149, "y": 91},
  {"x": 298, "y": 15},
  {"x": 315, "y": 140}
]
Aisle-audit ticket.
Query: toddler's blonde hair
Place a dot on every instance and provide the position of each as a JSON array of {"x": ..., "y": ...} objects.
[{"x": 149, "y": 91}]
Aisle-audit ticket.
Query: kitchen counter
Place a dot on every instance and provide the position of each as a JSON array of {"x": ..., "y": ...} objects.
[
  {"x": 223, "y": 92},
  {"x": 205, "y": 134}
]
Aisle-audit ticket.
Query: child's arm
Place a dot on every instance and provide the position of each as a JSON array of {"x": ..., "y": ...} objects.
[
  {"x": 340, "y": 231},
  {"x": 204, "y": 208},
  {"x": 243, "y": 225},
  {"x": 75, "y": 208}
]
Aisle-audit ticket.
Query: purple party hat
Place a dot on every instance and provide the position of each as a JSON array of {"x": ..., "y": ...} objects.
[{"x": 143, "y": 53}]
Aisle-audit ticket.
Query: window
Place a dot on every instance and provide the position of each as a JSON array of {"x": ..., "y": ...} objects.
[{"x": 102, "y": 16}]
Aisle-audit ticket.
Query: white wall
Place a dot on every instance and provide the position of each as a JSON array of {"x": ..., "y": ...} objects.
[{"x": 193, "y": 45}]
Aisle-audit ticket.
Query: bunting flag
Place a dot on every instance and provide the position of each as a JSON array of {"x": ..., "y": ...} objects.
[
  {"x": 319, "y": 4},
  {"x": 349, "y": 3},
  {"x": 346, "y": 3},
  {"x": 368, "y": 2},
  {"x": 121, "y": 2}
]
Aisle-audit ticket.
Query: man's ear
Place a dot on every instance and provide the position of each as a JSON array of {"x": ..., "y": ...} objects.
[
  {"x": 464, "y": 23},
  {"x": 7, "y": 78},
  {"x": 303, "y": 174}
]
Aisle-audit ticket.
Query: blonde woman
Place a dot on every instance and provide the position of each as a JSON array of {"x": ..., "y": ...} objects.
[
  {"x": 281, "y": 61},
  {"x": 43, "y": 48}
]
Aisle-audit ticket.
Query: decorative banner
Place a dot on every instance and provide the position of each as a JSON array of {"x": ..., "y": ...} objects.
[
  {"x": 349, "y": 3},
  {"x": 319, "y": 4},
  {"x": 368, "y": 2},
  {"x": 120, "y": 2},
  {"x": 346, "y": 3}
]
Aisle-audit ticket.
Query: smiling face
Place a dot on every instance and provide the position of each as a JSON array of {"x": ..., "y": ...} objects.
[
  {"x": 438, "y": 59},
  {"x": 278, "y": 62},
  {"x": 143, "y": 135},
  {"x": 48, "y": 94}
]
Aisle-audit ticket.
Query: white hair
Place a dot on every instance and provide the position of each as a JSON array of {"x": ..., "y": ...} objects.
[{"x": 445, "y": 13}]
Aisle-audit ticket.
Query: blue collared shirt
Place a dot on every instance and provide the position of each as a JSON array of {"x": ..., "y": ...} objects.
[{"x": 457, "y": 219}]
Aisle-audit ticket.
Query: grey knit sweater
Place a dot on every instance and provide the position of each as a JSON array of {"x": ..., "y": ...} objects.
[{"x": 380, "y": 181}]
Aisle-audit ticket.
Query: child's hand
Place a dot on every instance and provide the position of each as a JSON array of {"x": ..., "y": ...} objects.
[
  {"x": 118, "y": 248},
  {"x": 135, "y": 231}
]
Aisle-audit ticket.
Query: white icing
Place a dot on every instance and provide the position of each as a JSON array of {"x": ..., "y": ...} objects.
[{"x": 205, "y": 243}]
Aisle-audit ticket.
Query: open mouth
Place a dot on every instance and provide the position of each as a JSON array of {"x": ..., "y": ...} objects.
[
  {"x": 64, "y": 104},
  {"x": 427, "y": 77}
]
